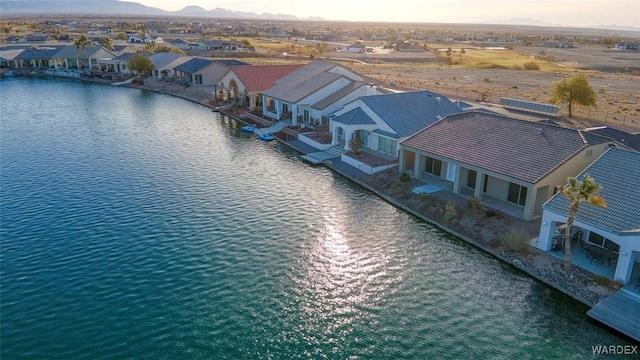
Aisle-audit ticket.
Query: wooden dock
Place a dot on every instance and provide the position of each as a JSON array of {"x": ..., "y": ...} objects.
[{"x": 620, "y": 311}]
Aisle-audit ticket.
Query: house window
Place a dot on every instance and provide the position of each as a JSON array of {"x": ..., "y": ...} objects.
[
  {"x": 471, "y": 179},
  {"x": 596, "y": 239},
  {"x": 387, "y": 145},
  {"x": 589, "y": 152},
  {"x": 434, "y": 166},
  {"x": 198, "y": 79},
  {"x": 484, "y": 185},
  {"x": 306, "y": 115},
  {"x": 517, "y": 194}
]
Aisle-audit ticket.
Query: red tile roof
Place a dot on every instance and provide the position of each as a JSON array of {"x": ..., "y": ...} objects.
[{"x": 262, "y": 77}]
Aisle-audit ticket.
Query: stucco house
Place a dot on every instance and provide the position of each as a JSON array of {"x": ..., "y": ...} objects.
[
  {"x": 382, "y": 121},
  {"x": 37, "y": 57},
  {"x": 164, "y": 63},
  {"x": 184, "y": 44},
  {"x": 118, "y": 64},
  {"x": 309, "y": 94},
  {"x": 613, "y": 231},
  {"x": 81, "y": 58},
  {"x": 245, "y": 84},
  {"x": 221, "y": 46},
  {"x": 201, "y": 71},
  {"x": 510, "y": 164}
]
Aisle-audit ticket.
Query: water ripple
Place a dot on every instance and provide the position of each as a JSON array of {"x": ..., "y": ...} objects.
[{"x": 157, "y": 229}]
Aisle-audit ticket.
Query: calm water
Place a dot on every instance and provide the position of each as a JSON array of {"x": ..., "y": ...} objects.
[{"x": 138, "y": 225}]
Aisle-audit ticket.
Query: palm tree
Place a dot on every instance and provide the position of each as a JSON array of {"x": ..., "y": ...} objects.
[
  {"x": 107, "y": 43},
  {"x": 578, "y": 191},
  {"x": 78, "y": 43}
]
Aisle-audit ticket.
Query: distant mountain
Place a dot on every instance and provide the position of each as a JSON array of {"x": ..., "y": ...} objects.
[
  {"x": 520, "y": 21},
  {"x": 116, "y": 7},
  {"x": 11, "y": 7},
  {"x": 618, "y": 28},
  {"x": 191, "y": 10}
]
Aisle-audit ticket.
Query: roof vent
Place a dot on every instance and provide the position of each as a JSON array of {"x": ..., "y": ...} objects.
[
  {"x": 540, "y": 130},
  {"x": 438, "y": 100}
]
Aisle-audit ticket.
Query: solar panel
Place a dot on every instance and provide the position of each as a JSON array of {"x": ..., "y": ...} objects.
[{"x": 530, "y": 106}]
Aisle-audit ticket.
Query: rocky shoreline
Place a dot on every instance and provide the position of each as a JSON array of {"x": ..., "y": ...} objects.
[{"x": 578, "y": 283}]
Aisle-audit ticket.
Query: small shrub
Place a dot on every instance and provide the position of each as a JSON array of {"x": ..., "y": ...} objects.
[
  {"x": 404, "y": 176},
  {"x": 601, "y": 280},
  {"x": 500, "y": 214},
  {"x": 489, "y": 213},
  {"x": 449, "y": 212},
  {"x": 531, "y": 65},
  {"x": 487, "y": 80},
  {"x": 423, "y": 197},
  {"x": 473, "y": 203},
  {"x": 326, "y": 139},
  {"x": 517, "y": 241},
  {"x": 394, "y": 186}
]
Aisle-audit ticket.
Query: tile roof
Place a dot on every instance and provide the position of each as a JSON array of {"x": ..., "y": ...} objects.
[
  {"x": 124, "y": 57},
  {"x": 407, "y": 113},
  {"x": 356, "y": 116},
  {"x": 71, "y": 52},
  {"x": 618, "y": 172},
  {"x": 333, "y": 98},
  {"x": 161, "y": 59},
  {"x": 303, "y": 82},
  {"x": 194, "y": 65},
  {"x": 520, "y": 149},
  {"x": 260, "y": 78},
  {"x": 230, "y": 62},
  {"x": 39, "y": 53},
  {"x": 625, "y": 138}
]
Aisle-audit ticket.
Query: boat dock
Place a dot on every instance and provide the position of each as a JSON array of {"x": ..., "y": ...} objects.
[
  {"x": 320, "y": 157},
  {"x": 620, "y": 311}
]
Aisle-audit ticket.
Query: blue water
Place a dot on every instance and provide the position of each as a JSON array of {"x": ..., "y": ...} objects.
[{"x": 139, "y": 225}]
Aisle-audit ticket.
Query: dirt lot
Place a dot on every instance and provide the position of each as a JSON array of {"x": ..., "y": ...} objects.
[
  {"x": 614, "y": 75},
  {"x": 617, "y": 88}
]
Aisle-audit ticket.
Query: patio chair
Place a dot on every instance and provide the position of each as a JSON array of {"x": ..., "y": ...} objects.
[{"x": 596, "y": 257}]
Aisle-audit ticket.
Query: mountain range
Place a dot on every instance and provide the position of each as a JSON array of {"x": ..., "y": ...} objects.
[{"x": 117, "y": 7}]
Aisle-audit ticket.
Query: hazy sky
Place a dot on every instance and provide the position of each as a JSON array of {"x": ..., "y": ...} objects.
[{"x": 562, "y": 12}]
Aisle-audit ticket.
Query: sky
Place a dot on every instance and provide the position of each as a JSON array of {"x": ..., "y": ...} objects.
[{"x": 558, "y": 12}]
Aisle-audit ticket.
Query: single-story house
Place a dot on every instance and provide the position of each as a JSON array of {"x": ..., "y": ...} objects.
[
  {"x": 7, "y": 57},
  {"x": 37, "y": 57},
  {"x": 294, "y": 96},
  {"x": 184, "y": 44},
  {"x": 245, "y": 84},
  {"x": 117, "y": 64},
  {"x": 614, "y": 230},
  {"x": 163, "y": 64},
  {"x": 354, "y": 48},
  {"x": 382, "y": 121},
  {"x": 510, "y": 164},
  {"x": 201, "y": 71},
  {"x": 81, "y": 57},
  {"x": 220, "y": 45}
]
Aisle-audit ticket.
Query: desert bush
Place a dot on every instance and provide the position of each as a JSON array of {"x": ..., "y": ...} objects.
[
  {"x": 474, "y": 203},
  {"x": 449, "y": 212},
  {"x": 601, "y": 280},
  {"x": 404, "y": 176},
  {"x": 531, "y": 65},
  {"x": 500, "y": 214},
  {"x": 423, "y": 197},
  {"x": 517, "y": 241}
]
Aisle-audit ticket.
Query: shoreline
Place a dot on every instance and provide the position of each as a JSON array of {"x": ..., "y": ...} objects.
[{"x": 198, "y": 96}]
